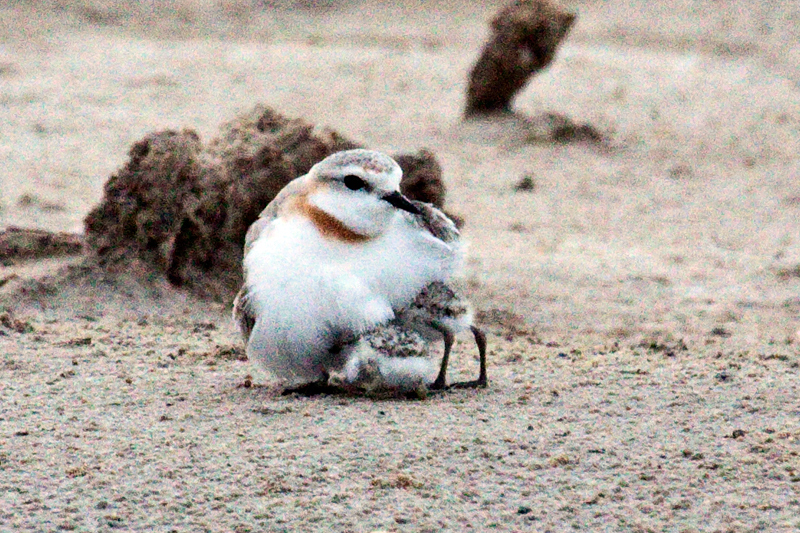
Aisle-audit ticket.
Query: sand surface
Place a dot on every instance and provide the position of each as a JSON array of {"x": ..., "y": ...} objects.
[{"x": 643, "y": 300}]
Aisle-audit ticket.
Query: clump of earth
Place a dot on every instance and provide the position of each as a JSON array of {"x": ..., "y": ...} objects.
[{"x": 524, "y": 40}]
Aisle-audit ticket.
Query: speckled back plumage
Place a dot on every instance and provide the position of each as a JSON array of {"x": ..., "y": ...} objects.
[{"x": 394, "y": 340}]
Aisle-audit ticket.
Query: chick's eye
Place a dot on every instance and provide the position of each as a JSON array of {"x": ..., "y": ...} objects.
[{"x": 354, "y": 183}]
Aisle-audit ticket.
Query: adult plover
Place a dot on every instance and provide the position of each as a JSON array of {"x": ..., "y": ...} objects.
[{"x": 336, "y": 254}]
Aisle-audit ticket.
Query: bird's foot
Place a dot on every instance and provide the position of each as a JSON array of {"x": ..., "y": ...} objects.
[
  {"x": 438, "y": 385},
  {"x": 480, "y": 383}
]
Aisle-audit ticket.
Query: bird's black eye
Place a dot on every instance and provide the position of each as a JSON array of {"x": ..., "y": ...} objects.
[{"x": 354, "y": 183}]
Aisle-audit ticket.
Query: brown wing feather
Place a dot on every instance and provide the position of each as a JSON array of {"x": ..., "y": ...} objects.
[
  {"x": 270, "y": 212},
  {"x": 436, "y": 222},
  {"x": 243, "y": 314}
]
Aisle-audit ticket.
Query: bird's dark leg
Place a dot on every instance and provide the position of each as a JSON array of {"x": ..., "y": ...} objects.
[
  {"x": 483, "y": 380},
  {"x": 449, "y": 339}
]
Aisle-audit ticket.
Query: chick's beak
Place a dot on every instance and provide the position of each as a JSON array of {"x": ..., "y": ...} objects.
[{"x": 401, "y": 202}]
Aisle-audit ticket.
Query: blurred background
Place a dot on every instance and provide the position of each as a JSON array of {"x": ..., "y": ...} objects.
[{"x": 687, "y": 220}]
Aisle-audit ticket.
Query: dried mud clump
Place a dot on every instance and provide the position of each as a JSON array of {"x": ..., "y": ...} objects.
[
  {"x": 182, "y": 209},
  {"x": 153, "y": 200},
  {"x": 559, "y": 128},
  {"x": 422, "y": 177},
  {"x": 20, "y": 243},
  {"x": 525, "y": 37}
]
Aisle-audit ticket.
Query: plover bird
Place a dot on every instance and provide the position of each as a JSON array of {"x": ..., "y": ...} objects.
[
  {"x": 389, "y": 358},
  {"x": 438, "y": 311},
  {"x": 396, "y": 355},
  {"x": 330, "y": 258},
  {"x": 441, "y": 307}
]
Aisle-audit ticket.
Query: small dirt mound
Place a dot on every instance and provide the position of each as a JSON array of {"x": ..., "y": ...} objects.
[
  {"x": 525, "y": 37},
  {"x": 559, "y": 128},
  {"x": 422, "y": 177},
  {"x": 19, "y": 243},
  {"x": 184, "y": 208}
]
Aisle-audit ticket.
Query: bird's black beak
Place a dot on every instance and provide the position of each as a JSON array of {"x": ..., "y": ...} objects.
[{"x": 401, "y": 202}]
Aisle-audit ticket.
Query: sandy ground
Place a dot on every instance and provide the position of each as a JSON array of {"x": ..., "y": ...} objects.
[{"x": 642, "y": 300}]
